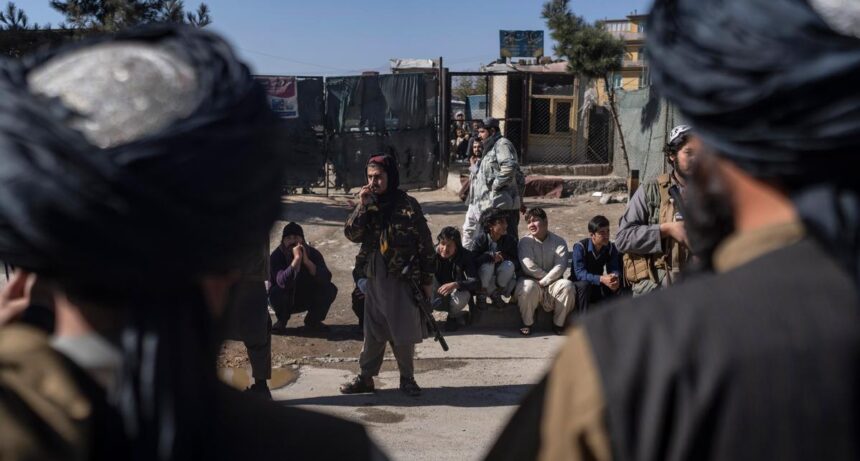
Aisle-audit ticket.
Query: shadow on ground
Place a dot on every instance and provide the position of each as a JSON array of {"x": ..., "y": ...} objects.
[{"x": 465, "y": 396}]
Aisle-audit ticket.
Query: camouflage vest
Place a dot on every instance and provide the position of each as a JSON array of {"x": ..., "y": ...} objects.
[
  {"x": 398, "y": 242},
  {"x": 661, "y": 209}
]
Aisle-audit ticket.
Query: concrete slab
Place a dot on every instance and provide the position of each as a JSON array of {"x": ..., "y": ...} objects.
[
  {"x": 469, "y": 395},
  {"x": 498, "y": 344}
]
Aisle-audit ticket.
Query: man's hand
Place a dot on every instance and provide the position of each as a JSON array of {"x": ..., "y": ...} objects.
[
  {"x": 365, "y": 195},
  {"x": 606, "y": 279},
  {"x": 674, "y": 230},
  {"x": 448, "y": 288},
  {"x": 611, "y": 281},
  {"x": 298, "y": 252},
  {"x": 306, "y": 261},
  {"x": 15, "y": 296},
  {"x": 497, "y": 257}
]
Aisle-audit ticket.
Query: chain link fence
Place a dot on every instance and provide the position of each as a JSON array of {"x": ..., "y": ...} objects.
[{"x": 544, "y": 115}]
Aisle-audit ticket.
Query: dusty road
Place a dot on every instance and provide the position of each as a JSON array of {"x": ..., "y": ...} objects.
[{"x": 469, "y": 392}]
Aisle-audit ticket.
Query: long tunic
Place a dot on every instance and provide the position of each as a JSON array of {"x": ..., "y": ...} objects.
[
  {"x": 390, "y": 310},
  {"x": 543, "y": 261}
]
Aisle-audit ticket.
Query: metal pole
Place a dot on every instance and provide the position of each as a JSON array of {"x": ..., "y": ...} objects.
[{"x": 443, "y": 108}]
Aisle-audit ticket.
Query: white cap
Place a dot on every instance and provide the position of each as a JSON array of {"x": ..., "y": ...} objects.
[{"x": 677, "y": 132}]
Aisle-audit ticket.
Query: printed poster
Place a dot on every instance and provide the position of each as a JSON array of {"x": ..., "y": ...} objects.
[{"x": 283, "y": 95}]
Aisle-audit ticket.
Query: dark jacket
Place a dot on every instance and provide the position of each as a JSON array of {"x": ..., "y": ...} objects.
[
  {"x": 52, "y": 408},
  {"x": 482, "y": 247},
  {"x": 588, "y": 265},
  {"x": 409, "y": 241},
  {"x": 459, "y": 268},
  {"x": 283, "y": 277}
]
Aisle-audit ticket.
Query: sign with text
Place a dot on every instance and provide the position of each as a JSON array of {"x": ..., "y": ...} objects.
[
  {"x": 283, "y": 95},
  {"x": 521, "y": 43}
]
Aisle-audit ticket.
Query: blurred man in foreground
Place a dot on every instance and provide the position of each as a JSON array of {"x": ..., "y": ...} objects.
[
  {"x": 139, "y": 170},
  {"x": 758, "y": 360}
]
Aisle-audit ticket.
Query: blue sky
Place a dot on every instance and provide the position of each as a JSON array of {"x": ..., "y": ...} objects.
[{"x": 341, "y": 37}]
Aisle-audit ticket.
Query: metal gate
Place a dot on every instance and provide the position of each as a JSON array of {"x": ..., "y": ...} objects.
[{"x": 343, "y": 121}]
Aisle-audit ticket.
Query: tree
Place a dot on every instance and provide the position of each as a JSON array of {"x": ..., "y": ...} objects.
[
  {"x": 113, "y": 15},
  {"x": 590, "y": 51},
  {"x": 14, "y": 18},
  {"x": 200, "y": 18},
  {"x": 468, "y": 86}
]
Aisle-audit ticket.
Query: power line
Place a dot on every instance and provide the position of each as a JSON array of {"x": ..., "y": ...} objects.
[{"x": 274, "y": 56}]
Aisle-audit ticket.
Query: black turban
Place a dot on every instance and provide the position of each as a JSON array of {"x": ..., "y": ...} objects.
[
  {"x": 773, "y": 87},
  {"x": 133, "y": 165},
  {"x": 179, "y": 201}
]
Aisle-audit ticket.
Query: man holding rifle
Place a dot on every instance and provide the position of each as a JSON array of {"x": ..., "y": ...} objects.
[{"x": 394, "y": 236}]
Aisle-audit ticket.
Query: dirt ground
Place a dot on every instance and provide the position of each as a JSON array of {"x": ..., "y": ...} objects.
[{"x": 322, "y": 218}]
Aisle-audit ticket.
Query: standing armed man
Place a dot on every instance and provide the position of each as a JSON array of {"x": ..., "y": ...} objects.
[
  {"x": 651, "y": 232},
  {"x": 396, "y": 246}
]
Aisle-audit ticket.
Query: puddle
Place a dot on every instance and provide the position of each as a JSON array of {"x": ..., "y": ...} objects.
[{"x": 240, "y": 378}]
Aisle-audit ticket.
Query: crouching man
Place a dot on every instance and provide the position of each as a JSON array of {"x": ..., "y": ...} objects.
[
  {"x": 496, "y": 256},
  {"x": 544, "y": 258},
  {"x": 300, "y": 281},
  {"x": 456, "y": 277},
  {"x": 596, "y": 267}
]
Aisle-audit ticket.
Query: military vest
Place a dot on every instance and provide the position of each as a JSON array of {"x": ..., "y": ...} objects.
[{"x": 661, "y": 209}]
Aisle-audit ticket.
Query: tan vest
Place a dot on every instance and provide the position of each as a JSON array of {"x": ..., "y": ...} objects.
[{"x": 661, "y": 209}]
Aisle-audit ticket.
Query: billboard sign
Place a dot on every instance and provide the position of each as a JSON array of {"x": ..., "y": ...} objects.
[{"x": 521, "y": 43}]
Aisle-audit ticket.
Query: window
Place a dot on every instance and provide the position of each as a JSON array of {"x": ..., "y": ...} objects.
[
  {"x": 554, "y": 85},
  {"x": 616, "y": 80},
  {"x": 617, "y": 26},
  {"x": 562, "y": 116},
  {"x": 539, "y": 116},
  {"x": 641, "y": 27}
]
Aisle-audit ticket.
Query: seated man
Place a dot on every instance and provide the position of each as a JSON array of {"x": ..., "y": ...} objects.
[
  {"x": 544, "y": 258},
  {"x": 456, "y": 277},
  {"x": 496, "y": 257},
  {"x": 300, "y": 281},
  {"x": 596, "y": 267}
]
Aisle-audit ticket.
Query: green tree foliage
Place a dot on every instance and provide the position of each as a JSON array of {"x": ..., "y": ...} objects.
[
  {"x": 590, "y": 50},
  {"x": 113, "y": 15},
  {"x": 468, "y": 86},
  {"x": 14, "y": 18}
]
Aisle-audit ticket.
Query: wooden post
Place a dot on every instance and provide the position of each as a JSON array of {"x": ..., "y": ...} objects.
[{"x": 632, "y": 183}]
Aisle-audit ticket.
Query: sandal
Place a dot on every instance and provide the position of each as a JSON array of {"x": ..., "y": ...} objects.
[{"x": 525, "y": 330}]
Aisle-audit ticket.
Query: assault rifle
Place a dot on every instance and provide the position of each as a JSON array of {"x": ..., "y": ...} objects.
[{"x": 424, "y": 306}]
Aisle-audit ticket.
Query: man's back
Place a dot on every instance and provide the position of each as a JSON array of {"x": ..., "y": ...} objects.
[
  {"x": 760, "y": 362},
  {"x": 757, "y": 363}
]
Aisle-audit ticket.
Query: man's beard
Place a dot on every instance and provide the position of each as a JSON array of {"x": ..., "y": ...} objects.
[{"x": 709, "y": 217}]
